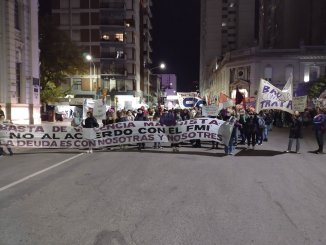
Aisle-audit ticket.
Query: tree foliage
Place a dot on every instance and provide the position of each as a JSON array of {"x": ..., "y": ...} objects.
[
  {"x": 317, "y": 87},
  {"x": 59, "y": 58}
]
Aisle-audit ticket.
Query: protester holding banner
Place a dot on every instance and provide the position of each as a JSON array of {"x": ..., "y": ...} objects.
[
  {"x": 195, "y": 113},
  {"x": 130, "y": 116},
  {"x": 88, "y": 129},
  {"x": 156, "y": 118},
  {"x": 319, "y": 122},
  {"x": 141, "y": 117},
  {"x": 76, "y": 120},
  {"x": 295, "y": 132},
  {"x": 168, "y": 118},
  {"x": 230, "y": 147}
]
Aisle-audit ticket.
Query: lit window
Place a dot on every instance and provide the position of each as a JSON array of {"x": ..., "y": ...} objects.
[
  {"x": 119, "y": 37},
  {"x": 105, "y": 37},
  {"x": 119, "y": 54},
  {"x": 231, "y": 5},
  {"x": 223, "y": 24}
]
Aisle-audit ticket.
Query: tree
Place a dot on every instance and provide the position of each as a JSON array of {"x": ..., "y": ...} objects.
[
  {"x": 317, "y": 87},
  {"x": 59, "y": 58}
]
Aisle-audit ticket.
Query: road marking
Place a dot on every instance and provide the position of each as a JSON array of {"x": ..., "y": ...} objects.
[{"x": 39, "y": 172}]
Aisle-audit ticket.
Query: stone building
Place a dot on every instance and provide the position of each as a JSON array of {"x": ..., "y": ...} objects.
[{"x": 19, "y": 62}]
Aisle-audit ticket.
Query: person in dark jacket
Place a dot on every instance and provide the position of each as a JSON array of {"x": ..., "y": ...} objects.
[
  {"x": 251, "y": 129},
  {"x": 169, "y": 119},
  {"x": 295, "y": 132},
  {"x": 319, "y": 122},
  {"x": 141, "y": 117},
  {"x": 88, "y": 131}
]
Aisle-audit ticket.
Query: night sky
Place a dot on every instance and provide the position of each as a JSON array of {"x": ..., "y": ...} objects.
[
  {"x": 176, "y": 39},
  {"x": 175, "y": 36}
]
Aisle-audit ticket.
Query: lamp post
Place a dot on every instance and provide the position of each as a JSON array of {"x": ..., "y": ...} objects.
[
  {"x": 162, "y": 67},
  {"x": 90, "y": 59}
]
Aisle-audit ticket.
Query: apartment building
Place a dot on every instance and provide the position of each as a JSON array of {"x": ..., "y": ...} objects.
[
  {"x": 19, "y": 63},
  {"x": 115, "y": 34},
  {"x": 245, "y": 40}
]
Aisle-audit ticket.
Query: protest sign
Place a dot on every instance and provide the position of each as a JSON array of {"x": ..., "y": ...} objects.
[
  {"x": 210, "y": 110},
  {"x": 270, "y": 97},
  {"x": 299, "y": 103},
  {"x": 54, "y": 136}
]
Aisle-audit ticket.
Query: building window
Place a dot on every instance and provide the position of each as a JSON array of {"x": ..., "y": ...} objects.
[
  {"x": 288, "y": 72},
  {"x": 64, "y": 4},
  {"x": 120, "y": 54},
  {"x": 17, "y": 19},
  {"x": 77, "y": 84},
  {"x": 105, "y": 37},
  {"x": 64, "y": 19},
  {"x": 314, "y": 72},
  {"x": 75, "y": 19},
  {"x": 75, "y": 4},
  {"x": 268, "y": 73},
  {"x": 75, "y": 35},
  {"x": 18, "y": 81},
  {"x": 119, "y": 37}
]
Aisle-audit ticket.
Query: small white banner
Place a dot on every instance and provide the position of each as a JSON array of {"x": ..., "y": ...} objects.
[
  {"x": 299, "y": 103},
  {"x": 210, "y": 110}
]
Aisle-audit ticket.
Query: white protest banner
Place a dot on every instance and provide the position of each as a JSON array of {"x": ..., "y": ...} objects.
[
  {"x": 299, "y": 103},
  {"x": 53, "y": 136},
  {"x": 210, "y": 110},
  {"x": 187, "y": 100},
  {"x": 270, "y": 97}
]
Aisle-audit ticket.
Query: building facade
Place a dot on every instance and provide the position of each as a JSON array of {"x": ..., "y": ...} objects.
[
  {"x": 268, "y": 40},
  {"x": 19, "y": 63},
  {"x": 116, "y": 34}
]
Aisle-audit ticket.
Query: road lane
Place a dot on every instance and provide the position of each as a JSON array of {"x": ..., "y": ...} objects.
[
  {"x": 197, "y": 196},
  {"x": 38, "y": 172}
]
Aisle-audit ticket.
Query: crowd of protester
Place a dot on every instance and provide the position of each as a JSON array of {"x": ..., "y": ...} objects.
[{"x": 250, "y": 128}]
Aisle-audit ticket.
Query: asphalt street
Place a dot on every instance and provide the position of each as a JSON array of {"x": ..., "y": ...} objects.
[{"x": 157, "y": 197}]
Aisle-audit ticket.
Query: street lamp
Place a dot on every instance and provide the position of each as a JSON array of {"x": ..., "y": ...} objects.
[
  {"x": 90, "y": 59},
  {"x": 162, "y": 66}
]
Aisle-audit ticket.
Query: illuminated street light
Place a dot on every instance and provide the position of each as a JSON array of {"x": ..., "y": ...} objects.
[
  {"x": 90, "y": 59},
  {"x": 162, "y": 66}
]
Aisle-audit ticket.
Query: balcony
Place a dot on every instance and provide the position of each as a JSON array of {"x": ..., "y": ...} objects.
[
  {"x": 112, "y": 55},
  {"x": 112, "y": 22},
  {"x": 112, "y": 5}
]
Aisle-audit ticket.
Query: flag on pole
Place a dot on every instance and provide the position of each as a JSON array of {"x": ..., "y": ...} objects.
[
  {"x": 225, "y": 101},
  {"x": 223, "y": 98}
]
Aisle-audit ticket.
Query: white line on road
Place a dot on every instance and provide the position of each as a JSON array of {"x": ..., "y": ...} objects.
[{"x": 39, "y": 172}]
